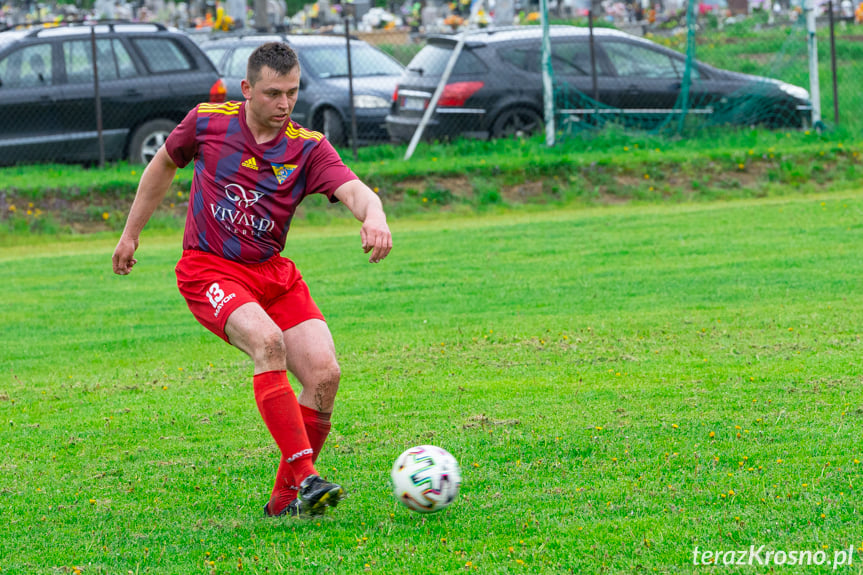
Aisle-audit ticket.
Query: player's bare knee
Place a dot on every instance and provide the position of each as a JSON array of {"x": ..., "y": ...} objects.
[{"x": 270, "y": 347}]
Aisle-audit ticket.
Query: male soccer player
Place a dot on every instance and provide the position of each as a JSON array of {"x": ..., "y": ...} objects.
[{"x": 253, "y": 166}]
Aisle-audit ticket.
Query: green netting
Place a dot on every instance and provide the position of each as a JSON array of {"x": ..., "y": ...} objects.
[{"x": 674, "y": 97}]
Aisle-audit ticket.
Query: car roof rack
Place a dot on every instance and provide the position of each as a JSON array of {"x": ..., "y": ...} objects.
[{"x": 50, "y": 26}]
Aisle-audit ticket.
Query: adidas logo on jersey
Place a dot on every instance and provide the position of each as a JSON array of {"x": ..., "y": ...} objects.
[{"x": 250, "y": 163}]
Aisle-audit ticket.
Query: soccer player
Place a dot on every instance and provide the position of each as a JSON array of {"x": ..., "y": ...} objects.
[{"x": 253, "y": 166}]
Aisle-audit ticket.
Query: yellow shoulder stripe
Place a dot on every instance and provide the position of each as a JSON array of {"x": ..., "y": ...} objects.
[
  {"x": 302, "y": 133},
  {"x": 227, "y": 108}
]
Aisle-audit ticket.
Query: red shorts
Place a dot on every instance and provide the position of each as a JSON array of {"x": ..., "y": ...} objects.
[{"x": 214, "y": 287}]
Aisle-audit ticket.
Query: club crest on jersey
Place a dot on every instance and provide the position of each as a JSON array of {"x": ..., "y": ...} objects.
[
  {"x": 283, "y": 171},
  {"x": 250, "y": 163}
]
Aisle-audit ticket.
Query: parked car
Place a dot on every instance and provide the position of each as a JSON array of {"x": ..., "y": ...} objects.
[
  {"x": 324, "y": 99},
  {"x": 496, "y": 85},
  {"x": 149, "y": 78}
]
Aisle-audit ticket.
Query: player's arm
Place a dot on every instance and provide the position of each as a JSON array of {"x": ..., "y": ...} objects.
[
  {"x": 154, "y": 185},
  {"x": 366, "y": 206}
]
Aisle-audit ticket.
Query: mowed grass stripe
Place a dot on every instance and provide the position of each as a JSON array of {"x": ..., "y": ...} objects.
[{"x": 619, "y": 386}]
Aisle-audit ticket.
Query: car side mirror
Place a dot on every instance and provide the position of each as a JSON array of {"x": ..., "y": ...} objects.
[{"x": 303, "y": 83}]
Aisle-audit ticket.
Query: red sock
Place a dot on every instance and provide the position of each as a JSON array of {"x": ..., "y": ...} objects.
[
  {"x": 281, "y": 413},
  {"x": 317, "y": 428}
]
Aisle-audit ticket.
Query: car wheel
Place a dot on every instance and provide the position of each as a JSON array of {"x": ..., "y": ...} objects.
[
  {"x": 516, "y": 123},
  {"x": 334, "y": 128},
  {"x": 147, "y": 140}
]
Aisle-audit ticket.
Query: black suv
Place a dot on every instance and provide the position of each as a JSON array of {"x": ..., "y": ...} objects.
[
  {"x": 149, "y": 78},
  {"x": 496, "y": 85}
]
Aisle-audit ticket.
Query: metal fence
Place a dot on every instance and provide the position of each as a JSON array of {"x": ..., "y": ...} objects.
[
  {"x": 684, "y": 71},
  {"x": 683, "y": 74}
]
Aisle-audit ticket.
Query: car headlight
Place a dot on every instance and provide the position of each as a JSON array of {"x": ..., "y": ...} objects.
[
  {"x": 367, "y": 101},
  {"x": 795, "y": 92}
]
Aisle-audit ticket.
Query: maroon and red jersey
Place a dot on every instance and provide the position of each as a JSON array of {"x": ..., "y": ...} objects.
[{"x": 244, "y": 194}]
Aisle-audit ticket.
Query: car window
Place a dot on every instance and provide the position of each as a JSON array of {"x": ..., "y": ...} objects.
[
  {"x": 125, "y": 65},
  {"x": 332, "y": 61},
  {"x": 27, "y": 67},
  {"x": 632, "y": 60},
  {"x": 571, "y": 59},
  {"x": 163, "y": 55},
  {"x": 216, "y": 53},
  {"x": 235, "y": 67},
  {"x": 432, "y": 60},
  {"x": 526, "y": 59},
  {"x": 78, "y": 57}
]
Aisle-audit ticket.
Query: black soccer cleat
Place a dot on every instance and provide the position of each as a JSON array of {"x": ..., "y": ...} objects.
[
  {"x": 316, "y": 495},
  {"x": 292, "y": 509}
]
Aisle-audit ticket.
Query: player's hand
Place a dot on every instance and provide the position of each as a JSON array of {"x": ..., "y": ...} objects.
[
  {"x": 377, "y": 238},
  {"x": 123, "y": 258}
]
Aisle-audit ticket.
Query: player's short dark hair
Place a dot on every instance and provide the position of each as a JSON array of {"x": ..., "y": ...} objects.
[{"x": 277, "y": 56}]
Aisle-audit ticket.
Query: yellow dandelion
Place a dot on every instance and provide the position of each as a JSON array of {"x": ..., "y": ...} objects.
[
  {"x": 12, "y": 208},
  {"x": 105, "y": 215},
  {"x": 712, "y": 434},
  {"x": 646, "y": 176}
]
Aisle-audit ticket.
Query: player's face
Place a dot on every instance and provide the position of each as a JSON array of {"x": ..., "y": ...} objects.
[{"x": 273, "y": 97}]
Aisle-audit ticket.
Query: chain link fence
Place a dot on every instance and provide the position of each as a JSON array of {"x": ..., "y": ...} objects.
[
  {"x": 689, "y": 72},
  {"x": 680, "y": 73}
]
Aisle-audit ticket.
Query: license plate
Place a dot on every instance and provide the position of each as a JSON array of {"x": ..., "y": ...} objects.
[{"x": 414, "y": 103}]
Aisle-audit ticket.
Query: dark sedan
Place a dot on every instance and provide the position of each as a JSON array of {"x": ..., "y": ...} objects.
[
  {"x": 324, "y": 99},
  {"x": 496, "y": 85}
]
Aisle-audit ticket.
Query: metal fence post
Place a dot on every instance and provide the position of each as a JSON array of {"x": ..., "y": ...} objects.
[
  {"x": 812, "y": 44},
  {"x": 97, "y": 97},
  {"x": 547, "y": 83},
  {"x": 833, "y": 65},
  {"x": 348, "y": 10},
  {"x": 412, "y": 146}
]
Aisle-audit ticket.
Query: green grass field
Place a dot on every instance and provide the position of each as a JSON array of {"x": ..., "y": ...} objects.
[{"x": 621, "y": 385}]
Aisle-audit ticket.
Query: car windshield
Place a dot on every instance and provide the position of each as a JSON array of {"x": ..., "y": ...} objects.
[{"x": 332, "y": 62}]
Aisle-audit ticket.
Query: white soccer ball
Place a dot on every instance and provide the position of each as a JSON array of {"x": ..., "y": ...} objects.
[{"x": 426, "y": 478}]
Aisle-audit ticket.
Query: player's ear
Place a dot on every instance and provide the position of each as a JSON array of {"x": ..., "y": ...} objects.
[{"x": 246, "y": 88}]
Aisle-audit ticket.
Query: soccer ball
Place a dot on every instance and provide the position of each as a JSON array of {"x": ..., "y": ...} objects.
[{"x": 426, "y": 478}]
